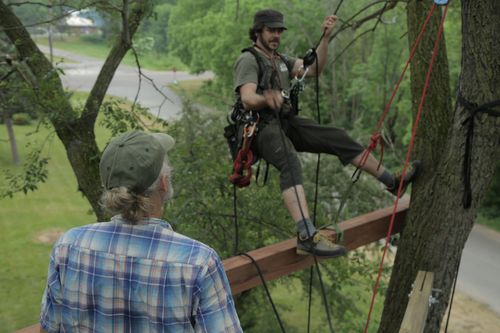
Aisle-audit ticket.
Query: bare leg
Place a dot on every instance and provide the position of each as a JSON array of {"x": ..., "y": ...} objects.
[
  {"x": 296, "y": 208},
  {"x": 370, "y": 165}
]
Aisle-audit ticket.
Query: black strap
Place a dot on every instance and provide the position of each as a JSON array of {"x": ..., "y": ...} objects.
[
  {"x": 473, "y": 109},
  {"x": 260, "y": 63},
  {"x": 266, "y": 289}
]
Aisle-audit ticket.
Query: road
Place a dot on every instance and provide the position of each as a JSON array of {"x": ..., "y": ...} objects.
[
  {"x": 479, "y": 275},
  {"x": 480, "y": 267},
  {"x": 80, "y": 73}
]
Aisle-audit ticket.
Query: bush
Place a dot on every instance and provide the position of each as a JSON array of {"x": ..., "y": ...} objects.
[
  {"x": 21, "y": 119},
  {"x": 93, "y": 38}
]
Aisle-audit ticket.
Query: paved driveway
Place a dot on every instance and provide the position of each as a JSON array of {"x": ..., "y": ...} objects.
[{"x": 81, "y": 73}]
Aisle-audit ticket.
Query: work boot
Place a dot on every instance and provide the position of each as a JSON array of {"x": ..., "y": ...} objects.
[
  {"x": 320, "y": 246},
  {"x": 410, "y": 175}
]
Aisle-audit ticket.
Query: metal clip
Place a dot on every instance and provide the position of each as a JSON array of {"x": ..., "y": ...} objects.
[{"x": 433, "y": 299}]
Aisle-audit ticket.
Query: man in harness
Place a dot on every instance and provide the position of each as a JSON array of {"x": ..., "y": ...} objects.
[{"x": 281, "y": 133}]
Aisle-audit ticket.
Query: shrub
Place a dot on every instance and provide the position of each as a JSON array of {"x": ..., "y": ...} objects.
[{"x": 21, "y": 119}]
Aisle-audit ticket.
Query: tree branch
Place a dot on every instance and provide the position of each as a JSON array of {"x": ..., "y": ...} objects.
[
  {"x": 350, "y": 23},
  {"x": 389, "y": 4},
  {"x": 54, "y": 19},
  {"x": 119, "y": 50}
]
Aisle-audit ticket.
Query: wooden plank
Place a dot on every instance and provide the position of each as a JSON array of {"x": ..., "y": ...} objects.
[
  {"x": 280, "y": 259},
  {"x": 418, "y": 305}
]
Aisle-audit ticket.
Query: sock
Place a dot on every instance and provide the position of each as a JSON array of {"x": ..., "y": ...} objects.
[
  {"x": 387, "y": 179},
  {"x": 303, "y": 226}
]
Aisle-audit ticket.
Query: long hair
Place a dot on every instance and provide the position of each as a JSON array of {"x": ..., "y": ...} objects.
[
  {"x": 135, "y": 207},
  {"x": 253, "y": 31}
]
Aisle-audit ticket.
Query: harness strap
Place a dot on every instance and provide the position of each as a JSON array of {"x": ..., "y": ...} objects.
[
  {"x": 473, "y": 109},
  {"x": 262, "y": 84}
]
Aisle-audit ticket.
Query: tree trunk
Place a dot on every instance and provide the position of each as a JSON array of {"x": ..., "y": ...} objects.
[
  {"x": 438, "y": 225},
  {"x": 75, "y": 131},
  {"x": 12, "y": 138}
]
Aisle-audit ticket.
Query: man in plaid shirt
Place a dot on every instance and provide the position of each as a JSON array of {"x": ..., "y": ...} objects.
[{"x": 134, "y": 273}]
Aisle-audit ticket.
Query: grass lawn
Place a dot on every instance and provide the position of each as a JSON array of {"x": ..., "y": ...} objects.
[
  {"x": 490, "y": 222},
  {"x": 56, "y": 205},
  {"x": 149, "y": 60},
  {"x": 292, "y": 303}
]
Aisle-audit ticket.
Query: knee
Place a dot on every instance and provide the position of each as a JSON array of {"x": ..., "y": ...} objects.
[{"x": 290, "y": 172}]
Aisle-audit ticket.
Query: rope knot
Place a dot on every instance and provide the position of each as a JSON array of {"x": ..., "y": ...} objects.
[{"x": 373, "y": 141}]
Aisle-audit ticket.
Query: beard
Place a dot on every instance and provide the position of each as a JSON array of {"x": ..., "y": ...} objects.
[{"x": 267, "y": 44}]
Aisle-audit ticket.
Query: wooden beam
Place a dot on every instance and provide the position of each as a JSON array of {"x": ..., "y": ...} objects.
[
  {"x": 280, "y": 259},
  {"x": 418, "y": 306}
]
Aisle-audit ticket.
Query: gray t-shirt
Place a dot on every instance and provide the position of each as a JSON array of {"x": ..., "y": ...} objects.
[{"x": 246, "y": 70}]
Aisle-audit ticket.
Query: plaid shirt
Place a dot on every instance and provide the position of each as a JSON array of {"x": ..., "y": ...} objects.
[{"x": 114, "y": 276}]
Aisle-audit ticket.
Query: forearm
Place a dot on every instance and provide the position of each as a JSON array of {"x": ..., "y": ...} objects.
[
  {"x": 322, "y": 55},
  {"x": 322, "y": 50},
  {"x": 254, "y": 101}
]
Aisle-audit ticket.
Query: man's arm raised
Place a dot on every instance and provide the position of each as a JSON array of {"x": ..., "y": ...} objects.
[{"x": 322, "y": 50}]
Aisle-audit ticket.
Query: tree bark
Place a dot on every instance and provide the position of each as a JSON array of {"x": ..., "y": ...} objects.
[
  {"x": 438, "y": 225},
  {"x": 76, "y": 132},
  {"x": 12, "y": 138}
]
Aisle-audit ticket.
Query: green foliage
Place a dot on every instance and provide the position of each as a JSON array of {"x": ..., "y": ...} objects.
[
  {"x": 156, "y": 27},
  {"x": 354, "y": 89},
  {"x": 119, "y": 119},
  {"x": 33, "y": 173},
  {"x": 143, "y": 45},
  {"x": 54, "y": 207},
  {"x": 21, "y": 119}
]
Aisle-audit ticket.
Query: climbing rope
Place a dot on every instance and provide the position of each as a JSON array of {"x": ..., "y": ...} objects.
[
  {"x": 236, "y": 225},
  {"x": 452, "y": 297},
  {"x": 410, "y": 148},
  {"x": 266, "y": 289},
  {"x": 376, "y": 134}
]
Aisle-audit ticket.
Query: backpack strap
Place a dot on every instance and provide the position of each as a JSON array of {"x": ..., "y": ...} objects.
[{"x": 260, "y": 63}]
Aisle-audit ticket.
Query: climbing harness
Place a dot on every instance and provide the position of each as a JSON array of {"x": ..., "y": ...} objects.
[
  {"x": 240, "y": 146},
  {"x": 242, "y": 165}
]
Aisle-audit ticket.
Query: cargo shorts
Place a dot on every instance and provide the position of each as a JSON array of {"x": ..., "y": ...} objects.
[{"x": 300, "y": 135}]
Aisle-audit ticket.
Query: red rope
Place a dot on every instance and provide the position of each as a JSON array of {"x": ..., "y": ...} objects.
[
  {"x": 376, "y": 135},
  {"x": 414, "y": 131}
]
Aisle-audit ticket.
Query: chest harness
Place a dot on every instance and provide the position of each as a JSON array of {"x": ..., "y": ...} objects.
[{"x": 240, "y": 141}]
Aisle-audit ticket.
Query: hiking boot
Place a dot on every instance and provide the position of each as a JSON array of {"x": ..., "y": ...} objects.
[
  {"x": 410, "y": 175},
  {"x": 320, "y": 246}
]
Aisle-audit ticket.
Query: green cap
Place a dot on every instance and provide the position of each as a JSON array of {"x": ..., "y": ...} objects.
[
  {"x": 270, "y": 18},
  {"x": 134, "y": 160}
]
